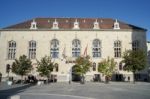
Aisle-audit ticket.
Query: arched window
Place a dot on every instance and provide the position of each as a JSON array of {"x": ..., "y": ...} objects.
[
  {"x": 32, "y": 49},
  {"x": 96, "y": 48},
  {"x": 54, "y": 48},
  {"x": 76, "y": 48},
  {"x": 8, "y": 68},
  {"x": 135, "y": 45},
  {"x": 117, "y": 48},
  {"x": 11, "y": 50},
  {"x": 56, "y": 67},
  {"x": 120, "y": 66},
  {"x": 94, "y": 66}
]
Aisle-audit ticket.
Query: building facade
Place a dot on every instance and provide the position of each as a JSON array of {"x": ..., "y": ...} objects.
[
  {"x": 148, "y": 59},
  {"x": 64, "y": 39}
]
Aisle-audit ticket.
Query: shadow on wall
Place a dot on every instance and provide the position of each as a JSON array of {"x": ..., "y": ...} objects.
[
  {"x": 6, "y": 93},
  {"x": 139, "y": 42}
]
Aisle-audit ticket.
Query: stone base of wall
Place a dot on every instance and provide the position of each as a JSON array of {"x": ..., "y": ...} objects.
[{"x": 95, "y": 77}]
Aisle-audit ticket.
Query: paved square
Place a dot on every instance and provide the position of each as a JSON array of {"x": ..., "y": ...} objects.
[{"x": 114, "y": 90}]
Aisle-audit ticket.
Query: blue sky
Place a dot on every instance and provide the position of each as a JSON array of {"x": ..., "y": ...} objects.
[{"x": 135, "y": 12}]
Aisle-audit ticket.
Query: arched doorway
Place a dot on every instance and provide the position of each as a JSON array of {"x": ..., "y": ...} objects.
[
  {"x": 75, "y": 77},
  {"x": 119, "y": 77}
]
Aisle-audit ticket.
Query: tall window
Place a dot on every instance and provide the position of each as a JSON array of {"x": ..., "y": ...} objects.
[
  {"x": 117, "y": 48},
  {"x": 56, "y": 67},
  {"x": 96, "y": 48},
  {"x": 54, "y": 48},
  {"x": 8, "y": 68},
  {"x": 94, "y": 66},
  {"x": 11, "y": 50},
  {"x": 120, "y": 66},
  {"x": 135, "y": 45},
  {"x": 76, "y": 48},
  {"x": 32, "y": 49}
]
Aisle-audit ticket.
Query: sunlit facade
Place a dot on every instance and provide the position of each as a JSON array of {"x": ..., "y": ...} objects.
[{"x": 65, "y": 39}]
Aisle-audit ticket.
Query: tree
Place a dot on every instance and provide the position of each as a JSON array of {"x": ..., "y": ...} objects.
[
  {"x": 82, "y": 66},
  {"x": 22, "y": 66},
  {"x": 45, "y": 66},
  {"x": 107, "y": 67},
  {"x": 134, "y": 61}
]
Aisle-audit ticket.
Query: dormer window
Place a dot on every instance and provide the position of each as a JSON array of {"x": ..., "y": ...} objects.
[
  {"x": 116, "y": 25},
  {"x": 66, "y": 21},
  {"x": 96, "y": 24},
  {"x": 33, "y": 25},
  {"x": 55, "y": 25},
  {"x": 76, "y": 24},
  {"x": 84, "y": 21}
]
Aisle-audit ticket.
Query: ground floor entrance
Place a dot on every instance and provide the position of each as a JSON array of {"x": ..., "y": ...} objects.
[
  {"x": 75, "y": 77},
  {"x": 119, "y": 77}
]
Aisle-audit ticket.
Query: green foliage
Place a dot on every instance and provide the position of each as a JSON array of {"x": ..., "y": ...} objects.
[
  {"x": 82, "y": 65},
  {"x": 22, "y": 66},
  {"x": 45, "y": 66},
  {"x": 107, "y": 67},
  {"x": 134, "y": 60}
]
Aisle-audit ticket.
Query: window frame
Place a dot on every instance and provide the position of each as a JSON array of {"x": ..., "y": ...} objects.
[
  {"x": 76, "y": 48},
  {"x": 32, "y": 49},
  {"x": 96, "y": 49},
  {"x": 54, "y": 48},
  {"x": 135, "y": 45},
  {"x": 117, "y": 49},
  {"x": 11, "y": 51}
]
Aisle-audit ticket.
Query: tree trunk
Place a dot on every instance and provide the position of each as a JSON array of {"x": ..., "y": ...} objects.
[
  {"x": 106, "y": 79},
  {"x": 133, "y": 77},
  {"x": 49, "y": 78},
  {"x": 82, "y": 79}
]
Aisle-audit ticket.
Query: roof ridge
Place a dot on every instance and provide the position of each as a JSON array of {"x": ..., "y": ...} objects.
[
  {"x": 44, "y": 23},
  {"x": 71, "y": 18}
]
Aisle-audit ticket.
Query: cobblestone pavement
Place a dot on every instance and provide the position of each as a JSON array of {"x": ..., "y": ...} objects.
[{"x": 114, "y": 90}]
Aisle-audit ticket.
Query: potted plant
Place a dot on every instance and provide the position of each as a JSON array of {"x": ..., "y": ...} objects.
[{"x": 10, "y": 81}]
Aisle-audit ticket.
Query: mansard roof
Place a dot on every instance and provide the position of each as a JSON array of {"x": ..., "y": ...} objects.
[{"x": 68, "y": 23}]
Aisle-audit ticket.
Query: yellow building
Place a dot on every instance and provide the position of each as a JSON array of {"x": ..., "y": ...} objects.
[{"x": 57, "y": 37}]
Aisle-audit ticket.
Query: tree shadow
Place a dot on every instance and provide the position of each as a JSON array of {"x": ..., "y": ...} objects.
[{"x": 6, "y": 93}]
